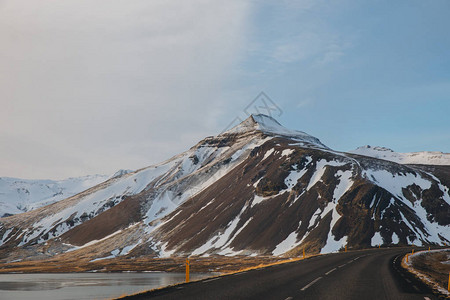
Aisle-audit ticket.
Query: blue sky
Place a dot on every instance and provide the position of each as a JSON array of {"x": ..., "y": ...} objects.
[
  {"x": 355, "y": 73},
  {"x": 94, "y": 86}
]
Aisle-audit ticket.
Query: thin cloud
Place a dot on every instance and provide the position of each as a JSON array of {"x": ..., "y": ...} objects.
[
  {"x": 101, "y": 81},
  {"x": 319, "y": 48},
  {"x": 304, "y": 103}
]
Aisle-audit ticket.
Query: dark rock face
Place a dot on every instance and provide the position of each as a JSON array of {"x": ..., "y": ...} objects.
[{"x": 310, "y": 212}]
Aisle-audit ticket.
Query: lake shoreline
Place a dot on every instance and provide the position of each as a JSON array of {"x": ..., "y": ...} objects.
[{"x": 84, "y": 286}]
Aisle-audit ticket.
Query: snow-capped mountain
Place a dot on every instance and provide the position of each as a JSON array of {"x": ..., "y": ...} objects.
[
  {"x": 258, "y": 188},
  {"x": 417, "y": 158},
  {"x": 270, "y": 126},
  {"x": 22, "y": 195}
]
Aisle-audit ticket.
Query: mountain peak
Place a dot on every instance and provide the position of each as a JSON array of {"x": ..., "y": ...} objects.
[
  {"x": 268, "y": 125},
  {"x": 259, "y": 122}
]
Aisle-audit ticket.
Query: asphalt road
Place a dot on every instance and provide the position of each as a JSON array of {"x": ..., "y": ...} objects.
[{"x": 368, "y": 274}]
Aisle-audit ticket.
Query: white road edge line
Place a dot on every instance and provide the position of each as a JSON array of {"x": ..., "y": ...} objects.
[
  {"x": 289, "y": 298},
  {"x": 310, "y": 284},
  {"x": 341, "y": 266},
  {"x": 332, "y": 270},
  {"x": 212, "y": 279},
  {"x": 426, "y": 298}
]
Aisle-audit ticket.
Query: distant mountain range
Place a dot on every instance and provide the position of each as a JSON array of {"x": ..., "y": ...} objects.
[
  {"x": 22, "y": 195},
  {"x": 256, "y": 189},
  {"x": 418, "y": 158}
]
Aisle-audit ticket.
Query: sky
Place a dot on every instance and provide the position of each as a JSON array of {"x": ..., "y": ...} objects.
[{"x": 91, "y": 87}]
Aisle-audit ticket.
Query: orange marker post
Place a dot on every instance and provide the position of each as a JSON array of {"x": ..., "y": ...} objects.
[
  {"x": 407, "y": 257},
  {"x": 448, "y": 288},
  {"x": 187, "y": 270},
  {"x": 412, "y": 251},
  {"x": 304, "y": 253}
]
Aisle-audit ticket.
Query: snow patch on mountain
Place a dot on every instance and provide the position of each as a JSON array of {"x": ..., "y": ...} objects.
[
  {"x": 268, "y": 153},
  {"x": 259, "y": 199},
  {"x": 288, "y": 244},
  {"x": 332, "y": 245},
  {"x": 223, "y": 239},
  {"x": 376, "y": 239},
  {"x": 395, "y": 238},
  {"x": 295, "y": 175},
  {"x": 345, "y": 183},
  {"x": 395, "y": 182},
  {"x": 321, "y": 165},
  {"x": 287, "y": 152}
]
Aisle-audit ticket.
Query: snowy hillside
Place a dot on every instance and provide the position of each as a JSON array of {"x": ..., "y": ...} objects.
[
  {"x": 21, "y": 195},
  {"x": 258, "y": 188},
  {"x": 163, "y": 187},
  {"x": 290, "y": 198},
  {"x": 420, "y": 158}
]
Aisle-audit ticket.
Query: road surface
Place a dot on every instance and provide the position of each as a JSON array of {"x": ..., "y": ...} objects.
[{"x": 368, "y": 274}]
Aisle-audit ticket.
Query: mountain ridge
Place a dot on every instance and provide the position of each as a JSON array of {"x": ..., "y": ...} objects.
[{"x": 421, "y": 158}]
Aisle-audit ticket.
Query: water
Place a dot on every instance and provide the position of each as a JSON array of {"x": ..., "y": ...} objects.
[{"x": 68, "y": 286}]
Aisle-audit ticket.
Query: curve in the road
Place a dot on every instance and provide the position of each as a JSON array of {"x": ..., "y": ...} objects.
[{"x": 367, "y": 274}]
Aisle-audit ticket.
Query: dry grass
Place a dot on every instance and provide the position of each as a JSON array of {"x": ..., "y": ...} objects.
[
  {"x": 430, "y": 268},
  {"x": 220, "y": 264},
  {"x": 433, "y": 266}
]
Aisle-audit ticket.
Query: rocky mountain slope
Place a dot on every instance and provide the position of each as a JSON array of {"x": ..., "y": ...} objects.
[{"x": 258, "y": 188}]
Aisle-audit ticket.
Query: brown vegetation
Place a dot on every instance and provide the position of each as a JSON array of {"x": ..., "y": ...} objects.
[
  {"x": 220, "y": 264},
  {"x": 434, "y": 265}
]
